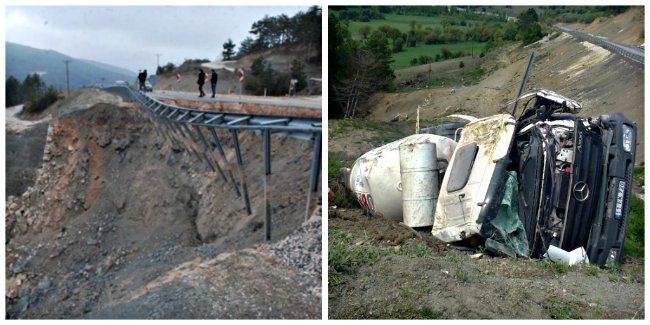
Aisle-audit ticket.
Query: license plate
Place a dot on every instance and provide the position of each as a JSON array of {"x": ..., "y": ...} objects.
[{"x": 620, "y": 194}]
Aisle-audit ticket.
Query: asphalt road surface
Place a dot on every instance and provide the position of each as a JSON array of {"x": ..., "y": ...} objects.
[
  {"x": 631, "y": 52},
  {"x": 314, "y": 102}
]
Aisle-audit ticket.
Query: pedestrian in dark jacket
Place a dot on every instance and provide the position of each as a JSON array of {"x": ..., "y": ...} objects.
[
  {"x": 201, "y": 81},
  {"x": 142, "y": 77},
  {"x": 213, "y": 82}
]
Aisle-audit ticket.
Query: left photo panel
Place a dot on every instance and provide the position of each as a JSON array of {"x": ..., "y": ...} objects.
[{"x": 163, "y": 162}]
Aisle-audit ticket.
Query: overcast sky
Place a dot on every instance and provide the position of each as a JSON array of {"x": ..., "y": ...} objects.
[{"x": 130, "y": 36}]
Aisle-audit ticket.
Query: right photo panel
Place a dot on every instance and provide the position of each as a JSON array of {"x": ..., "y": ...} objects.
[{"x": 486, "y": 162}]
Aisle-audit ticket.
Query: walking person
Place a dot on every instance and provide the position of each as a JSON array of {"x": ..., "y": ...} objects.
[
  {"x": 213, "y": 82},
  {"x": 200, "y": 82}
]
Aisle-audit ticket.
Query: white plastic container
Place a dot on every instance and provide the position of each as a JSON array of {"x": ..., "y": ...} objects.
[
  {"x": 419, "y": 176},
  {"x": 375, "y": 176}
]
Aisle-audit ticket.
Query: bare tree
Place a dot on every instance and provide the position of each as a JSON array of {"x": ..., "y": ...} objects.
[{"x": 362, "y": 82}]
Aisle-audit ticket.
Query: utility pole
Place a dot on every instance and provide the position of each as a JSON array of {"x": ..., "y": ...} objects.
[
  {"x": 67, "y": 75},
  {"x": 158, "y": 61}
]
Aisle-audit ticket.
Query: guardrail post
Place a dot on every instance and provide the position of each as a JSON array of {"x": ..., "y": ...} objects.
[
  {"x": 217, "y": 141},
  {"x": 207, "y": 150},
  {"x": 195, "y": 142},
  {"x": 240, "y": 163},
  {"x": 266, "y": 134},
  {"x": 315, "y": 172}
]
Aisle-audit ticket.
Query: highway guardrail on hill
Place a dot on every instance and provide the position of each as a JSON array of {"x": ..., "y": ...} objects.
[
  {"x": 185, "y": 128},
  {"x": 633, "y": 53}
]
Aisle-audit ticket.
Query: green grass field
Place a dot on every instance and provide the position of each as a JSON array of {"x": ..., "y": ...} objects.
[
  {"x": 403, "y": 59},
  {"x": 398, "y": 21}
]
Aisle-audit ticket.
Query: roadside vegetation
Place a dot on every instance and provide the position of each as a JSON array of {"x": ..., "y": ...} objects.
[
  {"x": 368, "y": 44},
  {"x": 32, "y": 91}
]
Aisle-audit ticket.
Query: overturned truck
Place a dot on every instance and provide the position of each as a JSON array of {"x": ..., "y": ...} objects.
[{"x": 545, "y": 183}]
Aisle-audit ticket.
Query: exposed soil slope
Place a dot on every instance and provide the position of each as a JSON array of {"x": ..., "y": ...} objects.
[
  {"x": 603, "y": 82},
  {"x": 119, "y": 223},
  {"x": 626, "y": 28}
]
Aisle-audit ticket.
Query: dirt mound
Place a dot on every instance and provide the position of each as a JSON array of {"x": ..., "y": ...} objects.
[{"x": 117, "y": 214}]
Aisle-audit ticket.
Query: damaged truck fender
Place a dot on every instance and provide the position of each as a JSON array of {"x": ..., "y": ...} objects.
[{"x": 471, "y": 187}]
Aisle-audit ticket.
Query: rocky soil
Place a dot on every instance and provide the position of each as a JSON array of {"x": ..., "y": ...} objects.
[{"x": 120, "y": 223}]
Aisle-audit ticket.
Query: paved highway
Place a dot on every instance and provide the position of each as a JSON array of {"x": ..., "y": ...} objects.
[
  {"x": 634, "y": 53},
  {"x": 301, "y": 102}
]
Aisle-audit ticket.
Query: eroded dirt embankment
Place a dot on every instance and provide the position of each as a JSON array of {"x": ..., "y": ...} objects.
[{"x": 120, "y": 223}]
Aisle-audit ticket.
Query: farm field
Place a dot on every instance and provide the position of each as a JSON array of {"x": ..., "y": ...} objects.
[{"x": 402, "y": 59}]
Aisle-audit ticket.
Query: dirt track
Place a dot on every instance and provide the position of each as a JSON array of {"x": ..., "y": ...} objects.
[{"x": 119, "y": 223}]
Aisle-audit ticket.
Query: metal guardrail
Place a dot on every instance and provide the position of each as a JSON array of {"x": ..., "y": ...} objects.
[
  {"x": 185, "y": 128},
  {"x": 634, "y": 54}
]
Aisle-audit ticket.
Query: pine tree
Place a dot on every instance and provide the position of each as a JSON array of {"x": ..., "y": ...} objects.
[{"x": 228, "y": 50}]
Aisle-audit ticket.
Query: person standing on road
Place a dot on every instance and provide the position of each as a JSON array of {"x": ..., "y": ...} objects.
[
  {"x": 213, "y": 82},
  {"x": 142, "y": 77},
  {"x": 200, "y": 82}
]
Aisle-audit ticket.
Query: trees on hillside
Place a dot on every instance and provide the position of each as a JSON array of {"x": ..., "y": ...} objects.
[
  {"x": 13, "y": 92},
  {"x": 228, "y": 50},
  {"x": 303, "y": 27},
  {"x": 31, "y": 91},
  {"x": 356, "y": 69},
  {"x": 529, "y": 28},
  {"x": 166, "y": 69}
]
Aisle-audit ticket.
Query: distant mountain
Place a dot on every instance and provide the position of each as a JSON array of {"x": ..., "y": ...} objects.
[{"x": 23, "y": 60}]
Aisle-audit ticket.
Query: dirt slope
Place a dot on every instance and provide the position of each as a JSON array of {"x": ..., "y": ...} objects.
[
  {"x": 118, "y": 219},
  {"x": 626, "y": 28},
  {"x": 601, "y": 81}
]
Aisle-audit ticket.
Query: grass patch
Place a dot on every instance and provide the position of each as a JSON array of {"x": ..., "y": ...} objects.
[
  {"x": 384, "y": 132},
  {"x": 401, "y": 22},
  {"x": 428, "y": 313},
  {"x": 558, "y": 268},
  {"x": 465, "y": 78},
  {"x": 403, "y": 59},
  {"x": 634, "y": 236},
  {"x": 590, "y": 269},
  {"x": 562, "y": 309},
  {"x": 639, "y": 175},
  {"x": 345, "y": 257},
  {"x": 419, "y": 250},
  {"x": 334, "y": 279}
]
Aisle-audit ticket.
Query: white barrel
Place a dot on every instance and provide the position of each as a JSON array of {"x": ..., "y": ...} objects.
[
  {"x": 419, "y": 175},
  {"x": 375, "y": 176}
]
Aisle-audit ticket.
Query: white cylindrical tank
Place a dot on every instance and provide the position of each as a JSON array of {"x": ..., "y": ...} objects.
[
  {"x": 375, "y": 176},
  {"x": 419, "y": 176}
]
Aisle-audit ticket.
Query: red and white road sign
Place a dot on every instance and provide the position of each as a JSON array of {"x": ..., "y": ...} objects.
[
  {"x": 178, "y": 77},
  {"x": 241, "y": 75}
]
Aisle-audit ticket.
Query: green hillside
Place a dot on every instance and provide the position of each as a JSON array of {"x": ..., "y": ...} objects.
[{"x": 23, "y": 60}]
